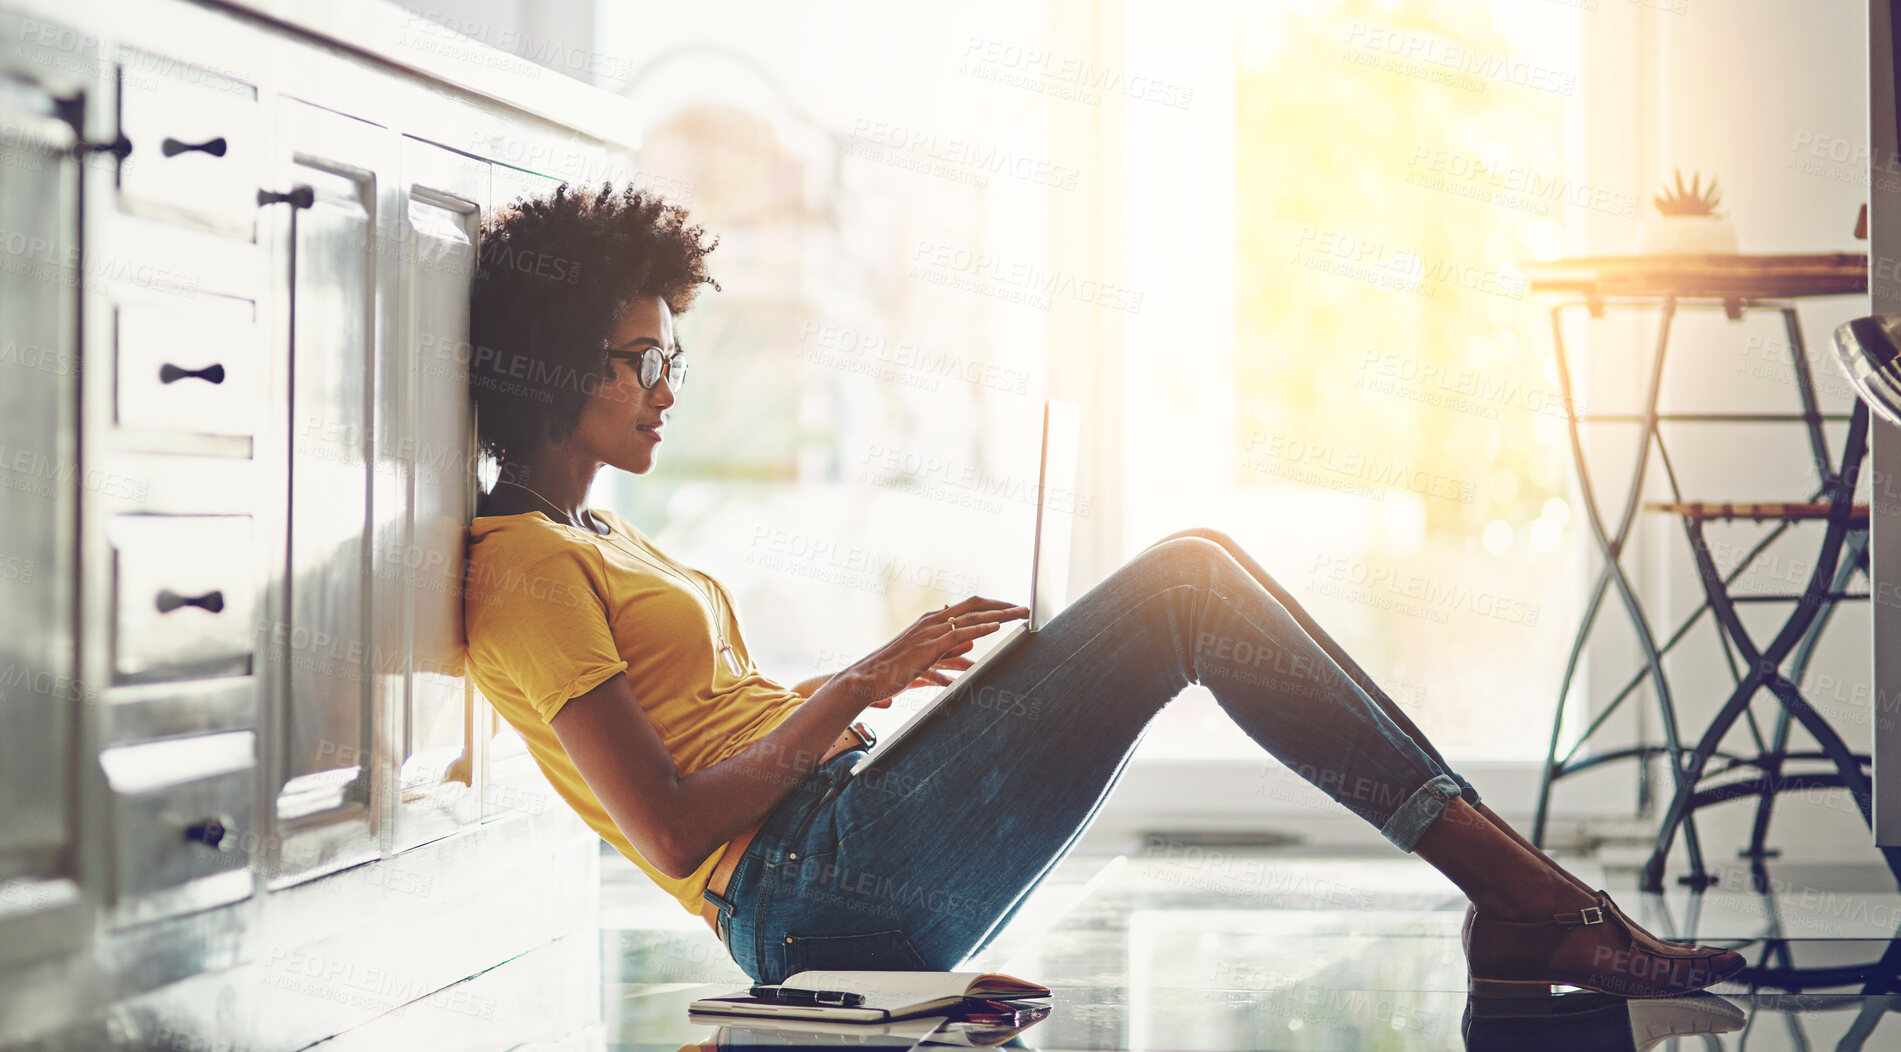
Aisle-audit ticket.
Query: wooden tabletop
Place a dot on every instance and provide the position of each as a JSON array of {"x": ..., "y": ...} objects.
[
  {"x": 1726, "y": 277},
  {"x": 1783, "y": 511}
]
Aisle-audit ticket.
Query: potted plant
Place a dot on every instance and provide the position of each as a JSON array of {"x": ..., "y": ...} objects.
[{"x": 1688, "y": 221}]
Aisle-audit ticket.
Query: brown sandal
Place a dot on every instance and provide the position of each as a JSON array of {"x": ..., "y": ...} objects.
[
  {"x": 1596, "y": 948},
  {"x": 1643, "y": 935}
]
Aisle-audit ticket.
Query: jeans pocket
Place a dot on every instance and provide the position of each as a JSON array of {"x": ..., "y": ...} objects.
[{"x": 887, "y": 950}]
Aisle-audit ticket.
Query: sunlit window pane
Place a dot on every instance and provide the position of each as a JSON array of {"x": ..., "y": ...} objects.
[{"x": 1396, "y": 454}]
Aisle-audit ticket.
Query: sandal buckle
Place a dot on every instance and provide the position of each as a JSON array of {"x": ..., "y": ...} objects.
[{"x": 1592, "y": 914}]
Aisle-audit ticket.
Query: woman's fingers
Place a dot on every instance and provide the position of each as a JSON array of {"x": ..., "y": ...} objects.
[
  {"x": 982, "y": 619},
  {"x": 982, "y": 624},
  {"x": 1002, "y": 613},
  {"x": 933, "y": 642},
  {"x": 976, "y": 604}
]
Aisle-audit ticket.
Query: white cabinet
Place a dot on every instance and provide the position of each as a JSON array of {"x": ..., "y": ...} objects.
[{"x": 239, "y": 464}]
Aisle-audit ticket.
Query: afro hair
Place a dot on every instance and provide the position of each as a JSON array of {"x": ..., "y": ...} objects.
[{"x": 554, "y": 276}]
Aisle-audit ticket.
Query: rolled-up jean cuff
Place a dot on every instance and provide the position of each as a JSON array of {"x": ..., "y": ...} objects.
[{"x": 1420, "y": 811}]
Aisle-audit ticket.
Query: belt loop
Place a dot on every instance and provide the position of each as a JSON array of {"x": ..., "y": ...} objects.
[{"x": 725, "y": 909}]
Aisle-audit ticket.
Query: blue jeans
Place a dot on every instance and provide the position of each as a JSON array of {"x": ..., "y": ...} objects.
[{"x": 918, "y": 862}]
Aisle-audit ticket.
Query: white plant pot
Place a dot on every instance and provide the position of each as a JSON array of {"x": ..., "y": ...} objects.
[{"x": 1686, "y": 235}]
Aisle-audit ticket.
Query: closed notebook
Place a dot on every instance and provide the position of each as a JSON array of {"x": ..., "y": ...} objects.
[
  {"x": 986, "y": 1029},
  {"x": 887, "y": 995}
]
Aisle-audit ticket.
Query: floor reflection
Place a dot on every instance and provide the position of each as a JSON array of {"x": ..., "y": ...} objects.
[
  {"x": 1291, "y": 951},
  {"x": 1595, "y": 1022},
  {"x": 1573, "y": 1022}
]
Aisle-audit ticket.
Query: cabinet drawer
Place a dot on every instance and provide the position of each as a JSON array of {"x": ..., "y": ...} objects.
[
  {"x": 140, "y": 712},
  {"x": 192, "y": 369},
  {"x": 195, "y": 146},
  {"x": 181, "y": 821},
  {"x": 183, "y": 593}
]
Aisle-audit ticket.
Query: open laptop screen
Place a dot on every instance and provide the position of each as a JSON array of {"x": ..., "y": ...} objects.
[{"x": 1056, "y": 512}]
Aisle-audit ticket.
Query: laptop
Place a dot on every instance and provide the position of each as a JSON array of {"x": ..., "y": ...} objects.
[{"x": 1049, "y": 564}]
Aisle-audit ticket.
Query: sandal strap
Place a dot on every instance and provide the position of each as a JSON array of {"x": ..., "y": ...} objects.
[{"x": 1587, "y": 915}]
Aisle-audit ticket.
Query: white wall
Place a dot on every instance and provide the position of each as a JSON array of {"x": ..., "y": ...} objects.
[{"x": 559, "y": 36}]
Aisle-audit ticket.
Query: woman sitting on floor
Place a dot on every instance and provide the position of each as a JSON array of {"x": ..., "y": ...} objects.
[{"x": 628, "y": 676}]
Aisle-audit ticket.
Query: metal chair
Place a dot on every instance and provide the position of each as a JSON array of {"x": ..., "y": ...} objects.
[
  {"x": 1768, "y": 772},
  {"x": 1868, "y": 351}
]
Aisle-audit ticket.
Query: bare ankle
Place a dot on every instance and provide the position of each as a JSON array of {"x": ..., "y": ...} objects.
[
  {"x": 1550, "y": 863},
  {"x": 1533, "y": 900},
  {"x": 1561, "y": 895}
]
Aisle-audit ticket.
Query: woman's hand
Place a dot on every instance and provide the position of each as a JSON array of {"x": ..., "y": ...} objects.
[{"x": 922, "y": 654}]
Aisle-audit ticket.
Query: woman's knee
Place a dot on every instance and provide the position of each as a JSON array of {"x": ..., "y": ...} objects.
[
  {"x": 1208, "y": 541},
  {"x": 1183, "y": 551},
  {"x": 1198, "y": 556},
  {"x": 1206, "y": 533}
]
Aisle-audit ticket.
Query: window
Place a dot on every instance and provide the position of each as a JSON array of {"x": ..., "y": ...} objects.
[
  {"x": 858, "y": 445},
  {"x": 1383, "y": 426},
  {"x": 1310, "y": 215}
]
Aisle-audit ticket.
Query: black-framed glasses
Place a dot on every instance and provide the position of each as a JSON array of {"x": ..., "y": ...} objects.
[{"x": 651, "y": 362}]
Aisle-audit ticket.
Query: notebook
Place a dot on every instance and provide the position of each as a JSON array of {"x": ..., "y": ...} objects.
[
  {"x": 879, "y": 996},
  {"x": 978, "y": 1024},
  {"x": 1049, "y": 563}
]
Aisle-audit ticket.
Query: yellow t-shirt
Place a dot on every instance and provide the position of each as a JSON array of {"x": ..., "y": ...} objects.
[{"x": 553, "y": 611}]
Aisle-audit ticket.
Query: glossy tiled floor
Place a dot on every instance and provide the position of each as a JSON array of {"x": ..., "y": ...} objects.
[{"x": 1286, "y": 950}]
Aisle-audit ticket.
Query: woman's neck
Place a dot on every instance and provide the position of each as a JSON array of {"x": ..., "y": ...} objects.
[
  {"x": 511, "y": 500},
  {"x": 556, "y": 487}
]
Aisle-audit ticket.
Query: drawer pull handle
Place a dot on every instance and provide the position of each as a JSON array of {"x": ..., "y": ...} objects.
[
  {"x": 215, "y": 833},
  {"x": 120, "y": 148},
  {"x": 169, "y": 601},
  {"x": 298, "y": 197},
  {"x": 172, "y": 147},
  {"x": 213, "y": 373}
]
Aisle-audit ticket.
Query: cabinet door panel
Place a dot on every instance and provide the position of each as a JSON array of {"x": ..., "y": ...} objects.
[
  {"x": 37, "y": 311},
  {"x": 40, "y": 688},
  {"x": 323, "y": 804},
  {"x": 432, "y": 443}
]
